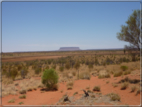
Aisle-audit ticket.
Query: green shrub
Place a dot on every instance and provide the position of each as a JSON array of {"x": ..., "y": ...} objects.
[
  {"x": 75, "y": 93},
  {"x": 21, "y": 103},
  {"x": 14, "y": 73},
  {"x": 22, "y": 96},
  {"x": 50, "y": 79},
  {"x": 124, "y": 68},
  {"x": 96, "y": 88},
  {"x": 11, "y": 101}
]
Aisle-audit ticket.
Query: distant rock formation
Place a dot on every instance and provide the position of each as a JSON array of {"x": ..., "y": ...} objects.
[{"x": 69, "y": 49}]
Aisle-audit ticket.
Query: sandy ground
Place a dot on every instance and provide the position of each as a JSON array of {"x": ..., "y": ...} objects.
[{"x": 37, "y": 97}]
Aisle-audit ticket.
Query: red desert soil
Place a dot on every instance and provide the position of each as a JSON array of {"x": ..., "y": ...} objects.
[
  {"x": 28, "y": 58},
  {"x": 52, "y": 97}
]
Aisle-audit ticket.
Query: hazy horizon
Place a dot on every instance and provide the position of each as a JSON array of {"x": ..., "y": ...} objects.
[{"x": 47, "y": 26}]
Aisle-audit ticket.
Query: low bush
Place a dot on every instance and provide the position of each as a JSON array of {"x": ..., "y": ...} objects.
[
  {"x": 84, "y": 75},
  {"x": 61, "y": 68},
  {"x": 96, "y": 88},
  {"x": 117, "y": 73},
  {"x": 53, "y": 67},
  {"x": 103, "y": 74},
  {"x": 11, "y": 101},
  {"x": 67, "y": 65},
  {"x": 69, "y": 85},
  {"x": 124, "y": 85},
  {"x": 133, "y": 88},
  {"x": 114, "y": 97},
  {"x": 124, "y": 68},
  {"x": 22, "y": 96},
  {"x": 50, "y": 79},
  {"x": 75, "y": 93},
  {"x": 90, "y": 66}
]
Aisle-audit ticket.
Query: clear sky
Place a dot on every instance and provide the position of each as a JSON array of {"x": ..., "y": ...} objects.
[{"x": 45, "y": 26}]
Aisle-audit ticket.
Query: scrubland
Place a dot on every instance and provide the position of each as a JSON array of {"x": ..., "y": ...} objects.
[{"x": 108, "y": 79}]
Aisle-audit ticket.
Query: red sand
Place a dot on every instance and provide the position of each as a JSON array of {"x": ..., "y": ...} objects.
[{"x": 52, "y": 97}]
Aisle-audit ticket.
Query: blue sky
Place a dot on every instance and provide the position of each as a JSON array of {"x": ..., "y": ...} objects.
[{"x": 45, "y": 26}]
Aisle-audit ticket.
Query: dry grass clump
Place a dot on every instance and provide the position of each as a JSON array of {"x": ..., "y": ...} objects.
[
  {"x": 133, "y": 88},
  {"x": 21, "y": 103},
  {"x": 138, "y": 91},
  {"x": 84, "y": 75},
  {"x": 69, "y": 85},
  {"x": 75, "y": 93},
  {"x": 11, "y": 101},
  {"x": 104, "y": 74},
  {"x": 117, "y": 73},
  {"x": 7, "y": 81},
  {"x": 96, "y": 88},
  {"x": 22, "y": 97},
  {"x": 124, "y": 68},
  {"x": 114, "y": 97},
  {"x": 124, "y": 85},
  {"x": 23, "y": 91},
  {"x": 114, "y": 85},
  {"x": 126, "y": 72},
  {"x": 10, "y": 89},
  {"x": 74, "y": 73}
]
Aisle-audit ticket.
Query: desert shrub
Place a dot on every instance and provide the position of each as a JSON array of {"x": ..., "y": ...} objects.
[
  {"x": 47, "y": 67},
  {"x": 124, "y": 68},
  {"x": 138, "y": 91},
  {"x": 73, "y": 73},
  {"x": 124, "y": 85},
  {"x": 23, "y": 91},
  {"x": 50, "y": 79},
  {"x": 53, "y": 66},
  {"x": 117, "y": 73},
  {"x": 96, "y": 88},
  {"x": 24, "y": 72},
  {"x": 114, "y": 85},
  {"x": 106, "y": 75},
  {"x": 114, "y": 97},
  {"x": 21, "y": 103},
  {"x": 75, "y": 93},
  {"x": 69, "y": 85},
  {"x": 37, "y": 70},
  {"x": 11, "y": 101},
  {"x": 126, "y": 72},
  {"x": 90, "y": 66},
  {"x": 67, "y": 65},
  {"x": 22, "y": 96},
  {"x": 61, "y": 68},
  {"x": 84, "y": 75},
  {"x": 19, "y": 67},
  {"x": 77, "y": 65},
  {"x": 13, "y": 73},
  {"x": 133, "y": 88}
]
